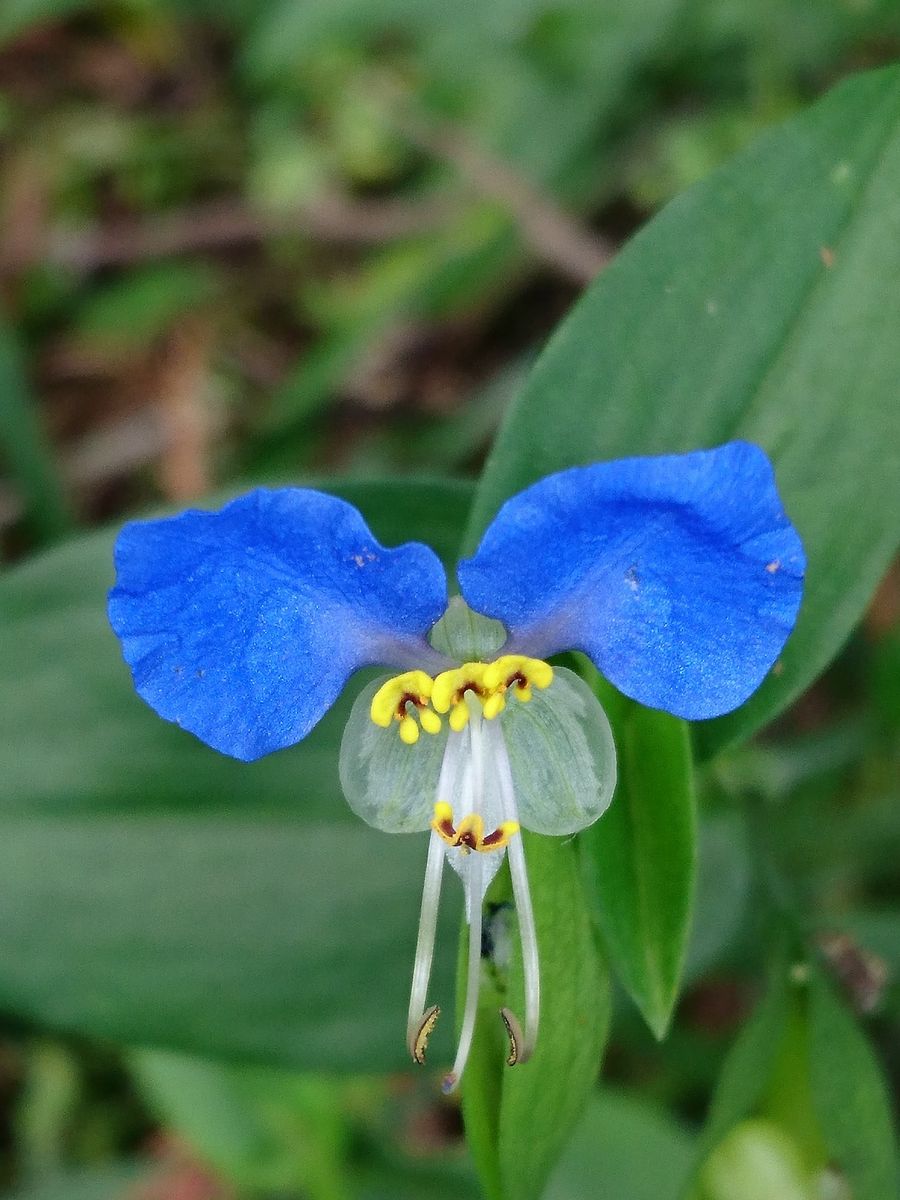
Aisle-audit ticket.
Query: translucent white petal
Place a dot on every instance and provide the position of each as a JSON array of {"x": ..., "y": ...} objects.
[
  {"x": 562, "y": 756},
  {"x": 389, "y": 784}
]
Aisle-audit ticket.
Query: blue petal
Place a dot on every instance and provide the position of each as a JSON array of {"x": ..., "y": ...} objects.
[
  {"x": 680, "y": 576},
  {"x": 243, "y": 625}
]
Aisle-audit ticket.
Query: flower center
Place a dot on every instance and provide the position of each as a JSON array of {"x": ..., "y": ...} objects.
[{"x": 410, "y": 693}]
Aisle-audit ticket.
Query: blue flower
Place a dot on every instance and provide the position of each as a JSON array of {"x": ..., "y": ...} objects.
[{"x": 679, "y": 576}]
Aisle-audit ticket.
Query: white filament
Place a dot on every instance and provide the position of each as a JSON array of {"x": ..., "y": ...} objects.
[
  {"x": 473, "y": 784},
  {"x": 473, "y": 981},
  {"x": 431, "y": 894},
  {"x": 521, "y": 894}
]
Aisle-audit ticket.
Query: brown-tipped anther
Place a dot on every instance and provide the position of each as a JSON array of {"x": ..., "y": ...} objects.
[
  {"x": 470, "y": 835},
  {"x": 518, "y": 1053},
  {"x": 419, "y": 1042}
]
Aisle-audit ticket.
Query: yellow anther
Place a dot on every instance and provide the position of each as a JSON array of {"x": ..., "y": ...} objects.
[
  {"x": 409, "y": 731},
  {"x": 406, "y": 697},
  {"x": 449, "y": 692},
  {"x": 459, "y": 717},
  {"x": 392, "y": 700},
  {"x": 443, "y": 812},
  {"x": 469, "y": 834},
  {"x": 517, "y": 672},
  {"x": 451, "y": 686},
  {"x": 430, "y": 721},
  {"x": 506, "y": 829}
]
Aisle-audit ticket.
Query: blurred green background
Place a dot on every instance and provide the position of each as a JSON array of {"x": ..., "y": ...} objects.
[{"x": 274, "y": 239}]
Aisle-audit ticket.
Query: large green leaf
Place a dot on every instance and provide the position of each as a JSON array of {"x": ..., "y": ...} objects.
[
  {"x": 250, "y": 937},
  {"x": 641, "y": 857},
  {"x": 762, "y": 304},
  {"x": 850, "y": 1097},
  {"x": 519, "y": 1118},
  {"x": 624, "y": 1149},
  {"x": 75, "y": 735}
]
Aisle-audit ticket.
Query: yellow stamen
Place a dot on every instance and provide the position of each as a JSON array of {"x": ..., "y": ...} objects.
[
  {"x": 449, "y": 692},
  {"x": 518, "y": 672},
  {"x": 429, "y": 720},
  {"x": 408, "y": 696},
  {"x": 459, "y": 717},
  {"x": 443, "y": 821},
  {"x": 392, "y": 700},
  {"x": 409, "y": 731},
  {"x": 469, "y": 834}
]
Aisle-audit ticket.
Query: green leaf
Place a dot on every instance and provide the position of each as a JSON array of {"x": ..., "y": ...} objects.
[
  {"x": 75, "y": 735},
  {"x": 623, "y": 1148},
  {"x": 106, "y": 1183},
  {"x": 279, "y": 1133},
  {"x": 248, "y": 937},
  {"x": 760, "y": 304},
  {"x": 519, "y": 1118},
  {"x": 640, "y": 857},
  {"x": 265, "y": 1130},
  {"x": 724, "y": 876},
  {"x": 130, "y": 312},
  {"x": 802, "y": 1070},
  {"x": 850, "y": 1097},
  {"x": 748, "y": 1069},
  {"x": 24, "y": 448}
]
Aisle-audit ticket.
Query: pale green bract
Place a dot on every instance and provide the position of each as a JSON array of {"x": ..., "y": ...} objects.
[{"x": 467, "y": 636}]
